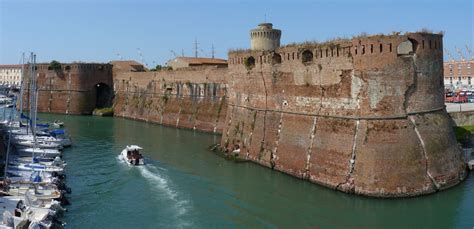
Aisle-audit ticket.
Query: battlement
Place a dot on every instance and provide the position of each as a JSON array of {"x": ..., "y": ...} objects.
[
  {"x": 76, "y": 66},
  {"x": 357, "y": 47}
]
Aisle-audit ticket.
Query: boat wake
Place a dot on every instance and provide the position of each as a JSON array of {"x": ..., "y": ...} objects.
[{"x": 152, "y": 174}]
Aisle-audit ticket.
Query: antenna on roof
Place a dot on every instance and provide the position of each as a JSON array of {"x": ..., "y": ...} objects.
[
  {"x": 459, "y": 53},
  {"x": 182, "y": 52},
  {"x": 449, "y": 55},
  {"x": 141, "y": 57},
  {"x": 469, "y": 50},
  {"x": 174, "y": 54},
  {"x": 265, "y": 18},
  {"x": 195, "y": 48},
  {"x": 213, "y": 51}
]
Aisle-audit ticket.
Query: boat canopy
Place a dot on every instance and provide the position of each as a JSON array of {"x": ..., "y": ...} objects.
[
  {"x": 57, "y": 132},
  {"x": 133, "y": 147}
]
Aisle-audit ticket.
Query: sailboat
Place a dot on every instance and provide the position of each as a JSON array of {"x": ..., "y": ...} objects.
[{"x": 34, "y": 182}]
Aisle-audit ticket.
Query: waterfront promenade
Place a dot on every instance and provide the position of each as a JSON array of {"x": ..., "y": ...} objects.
[{"x": 459, "y": 107}]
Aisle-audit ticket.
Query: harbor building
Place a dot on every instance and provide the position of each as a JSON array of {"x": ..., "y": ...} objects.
[
  {"x": 459, "y": 74},
  {"x": 10, "y": 74},
  {"x": 185, "y": 62}
]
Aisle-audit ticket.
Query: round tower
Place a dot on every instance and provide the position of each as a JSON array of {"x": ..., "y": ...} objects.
[{"x": 264, "y": 37}]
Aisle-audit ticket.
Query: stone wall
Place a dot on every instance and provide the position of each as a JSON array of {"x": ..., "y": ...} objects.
[
  {"x": 363, "y": 116},
  {"x": 72, "y": 89},
  {"x": 464, "y": 118},
  {"x": 194, "y": 98}
]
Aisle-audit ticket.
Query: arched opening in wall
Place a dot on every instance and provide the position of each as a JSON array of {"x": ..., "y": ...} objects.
[
  {"x": 276, "y": 58},
  {"x": 103, "y": 95},
  {"x": 307, "y": 56},
  {"x": 415, "y": 44},
  {"x": 249, "y": 62}
]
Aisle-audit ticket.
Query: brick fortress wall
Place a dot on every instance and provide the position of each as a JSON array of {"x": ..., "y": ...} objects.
[
  {"x": 193, "y": 98},
  {"x": 364, "y": 115},
  {"x": 70, "y": 89}
]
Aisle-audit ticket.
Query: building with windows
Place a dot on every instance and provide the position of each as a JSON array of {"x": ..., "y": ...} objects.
[
  {"x": 459, "y": 74},
  {"x": 10, "y": 74},
  {"x": 186, "y": 62}
]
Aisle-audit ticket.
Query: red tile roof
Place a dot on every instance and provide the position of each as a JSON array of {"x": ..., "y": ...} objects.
[{"x": 10, "y": 65}]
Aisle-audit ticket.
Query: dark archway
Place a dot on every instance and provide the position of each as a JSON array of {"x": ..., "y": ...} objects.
[
  {"x": 103, "y": 95},
  {"x": 276, "y": 58},
  {"x": 307, "y": 56},
  {"x": 249, "y": 62}
]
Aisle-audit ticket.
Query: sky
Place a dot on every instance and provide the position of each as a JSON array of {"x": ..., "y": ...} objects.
[{"x": 153, "y": 32}]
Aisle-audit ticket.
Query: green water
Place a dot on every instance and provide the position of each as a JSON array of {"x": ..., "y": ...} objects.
[{"x": 184, "y": 185}]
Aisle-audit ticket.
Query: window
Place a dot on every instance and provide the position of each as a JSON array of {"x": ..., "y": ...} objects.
[{"x": 469, "y": 80}]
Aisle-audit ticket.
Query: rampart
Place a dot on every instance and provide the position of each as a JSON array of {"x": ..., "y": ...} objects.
[
  {"x": 74, "y": 88},
  {"x": 364, "y": 115},
  {"x": 193, "y": 98}
]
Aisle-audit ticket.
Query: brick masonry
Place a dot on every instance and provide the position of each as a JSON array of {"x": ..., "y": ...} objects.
[
  {"x": 193, "y": 98},
  {"x": 72, "y": 89},
  {"x": 363, "y": 116}
]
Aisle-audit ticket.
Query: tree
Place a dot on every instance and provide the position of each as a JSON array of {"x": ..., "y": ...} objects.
[
  {"x": 54, "y": 65},
  {"x": 157, "y": 68}
]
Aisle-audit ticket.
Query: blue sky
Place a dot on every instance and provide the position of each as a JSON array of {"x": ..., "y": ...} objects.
[{"x": 99, "y": 30}]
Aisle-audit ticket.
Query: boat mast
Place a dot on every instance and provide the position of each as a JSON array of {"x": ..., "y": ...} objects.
[
  {"x": 33, "y": 97},
  {"x": 21, "y": 84},
  {"x": 8, "y": 146}
]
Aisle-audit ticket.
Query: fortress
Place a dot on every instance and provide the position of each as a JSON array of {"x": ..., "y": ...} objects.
[{"x": 364, "y": 115}]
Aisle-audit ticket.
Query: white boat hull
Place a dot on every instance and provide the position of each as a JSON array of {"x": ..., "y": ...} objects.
[{"x": 131, "y": 162}]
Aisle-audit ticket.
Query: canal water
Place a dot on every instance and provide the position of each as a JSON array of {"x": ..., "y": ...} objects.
[{"x": 185, "y": 186}]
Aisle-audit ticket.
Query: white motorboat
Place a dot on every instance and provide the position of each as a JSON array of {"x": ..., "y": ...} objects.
[
  {"x": 26, "y": 176},
  {"x": 23, "y": 131},
  {"x": 62, "y": 140},
  {"x": 29, "y": 137},
  {"x": 35, "y": 167},
  {"x": 4, "y": 99},
  {"x": 15, "y": 160},
  {"x": 132, "y": 156},
  {"x": 58, "y": 124},
  {"x": 22, "y": 213},
  {"x": 40, "y": 192},
  {"x": 38, "y": 152},
  {"x": 39, "y": 144}
]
